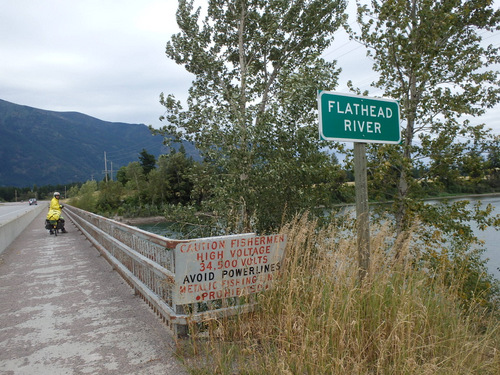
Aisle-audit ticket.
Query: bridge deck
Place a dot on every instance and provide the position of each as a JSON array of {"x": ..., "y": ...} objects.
[{"x": 63, "y": 310}]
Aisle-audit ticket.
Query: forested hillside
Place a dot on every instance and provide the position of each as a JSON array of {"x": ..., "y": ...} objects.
[{"x": 46, "y": 147}]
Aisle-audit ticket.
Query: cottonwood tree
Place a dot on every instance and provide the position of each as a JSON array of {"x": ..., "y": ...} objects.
[
  {"x": 251, "y": 109},
  {"x": 430, "y": 55}
]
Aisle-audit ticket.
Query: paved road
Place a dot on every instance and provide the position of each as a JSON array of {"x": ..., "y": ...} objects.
[
  {"x": 9, "y": 211},
  {"x": 63, "y": 310}
]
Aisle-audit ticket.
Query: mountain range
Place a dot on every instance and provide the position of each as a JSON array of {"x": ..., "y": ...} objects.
[{"x": 40, "y": 147}]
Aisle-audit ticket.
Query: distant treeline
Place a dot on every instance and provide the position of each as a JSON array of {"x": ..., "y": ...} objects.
[{"x": 17, "y": 194}]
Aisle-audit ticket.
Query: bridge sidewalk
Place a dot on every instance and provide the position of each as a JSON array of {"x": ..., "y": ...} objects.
[{"x": 63, "y": 310}]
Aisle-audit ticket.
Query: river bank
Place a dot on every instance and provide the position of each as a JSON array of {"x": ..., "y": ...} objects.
[
  {"x": 137, "y": 221},
  {"x": 447, "y": 197},
  {"x": 490, "y": 236}
]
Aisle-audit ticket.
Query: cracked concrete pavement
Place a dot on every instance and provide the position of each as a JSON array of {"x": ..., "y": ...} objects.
[{"x": 63, "y": 310}]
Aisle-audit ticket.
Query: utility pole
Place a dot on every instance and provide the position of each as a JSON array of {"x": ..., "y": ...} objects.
[{"x": 105, "y": 167}]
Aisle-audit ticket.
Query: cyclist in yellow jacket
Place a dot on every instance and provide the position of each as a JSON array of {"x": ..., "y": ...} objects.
[{"x": 55, "y": 210}]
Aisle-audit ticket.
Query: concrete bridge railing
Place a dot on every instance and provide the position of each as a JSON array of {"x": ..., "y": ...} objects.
[{"x": 13, "y": 228}]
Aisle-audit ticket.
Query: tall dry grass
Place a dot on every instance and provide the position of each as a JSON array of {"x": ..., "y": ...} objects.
[{"x": 319, "y": 319}]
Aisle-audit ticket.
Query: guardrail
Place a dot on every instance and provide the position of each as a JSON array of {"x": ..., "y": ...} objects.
[{"x": 147, "y": 262}]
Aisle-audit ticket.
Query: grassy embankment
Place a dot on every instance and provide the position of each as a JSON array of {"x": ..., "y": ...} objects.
[{"x": 318, "y": 319}]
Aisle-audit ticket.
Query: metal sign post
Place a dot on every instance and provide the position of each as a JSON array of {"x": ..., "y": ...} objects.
[{"x": 359, "y": 119}]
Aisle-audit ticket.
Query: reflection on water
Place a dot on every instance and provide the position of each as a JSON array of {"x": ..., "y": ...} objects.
[{"x": 490, "y": 236}]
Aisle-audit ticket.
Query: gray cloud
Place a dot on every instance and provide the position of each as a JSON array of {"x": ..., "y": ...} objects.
[{"x": 107, "y": 58}]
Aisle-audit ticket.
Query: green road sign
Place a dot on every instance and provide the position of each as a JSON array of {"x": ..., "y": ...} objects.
[{"x": 351, "y": 118}]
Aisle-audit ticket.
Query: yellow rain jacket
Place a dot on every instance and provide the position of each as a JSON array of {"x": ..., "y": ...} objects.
[
  {"x": 53, "y": 215},
  {"x": 54, "y": 205},
  {"x": 54, "y": 210}
]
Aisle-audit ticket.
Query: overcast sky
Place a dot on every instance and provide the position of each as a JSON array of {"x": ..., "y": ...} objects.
[{"x": 106, "y": 58}]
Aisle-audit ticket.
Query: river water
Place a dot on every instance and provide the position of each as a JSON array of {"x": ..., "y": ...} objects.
[{"x": 490, "y": 236}]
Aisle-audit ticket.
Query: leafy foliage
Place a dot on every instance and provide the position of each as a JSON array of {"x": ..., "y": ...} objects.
[
  {"x": 147, "y": 161},
  {"x": 251, "y": 109},
  {"x": 110, "y": 196},
  {"x": 86, "y": 199},
  {"x": 430, "y": 56}
]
